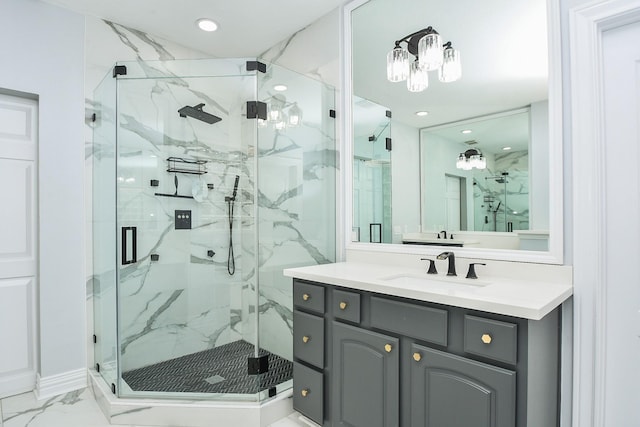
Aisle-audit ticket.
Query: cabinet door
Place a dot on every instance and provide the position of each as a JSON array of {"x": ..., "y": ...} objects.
[
  {"x": 451, "y": 391},
  {"x": 365, "y": 378}
]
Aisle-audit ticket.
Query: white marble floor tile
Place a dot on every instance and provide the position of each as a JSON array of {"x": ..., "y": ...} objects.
[
  {"x": 78, "y": 409},
  {"x": 75, "y": 409},
  {"x": 294, "y": 420}
]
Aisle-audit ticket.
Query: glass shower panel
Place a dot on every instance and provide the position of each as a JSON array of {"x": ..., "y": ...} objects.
[
  {"x": 371, "y": 173},
  {"x": 297, "y": 167},
  {"x": 182, "y": 313},
  {"x": 104, "y": 226}
]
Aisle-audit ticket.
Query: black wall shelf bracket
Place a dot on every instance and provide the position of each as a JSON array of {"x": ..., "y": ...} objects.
[
  {"x": 95, "y": 339},
  {"x": 97, "y": 367},
  {"x": 387, "y": 144},
  {"x": 388, "y": 113},
  {"x": 113, "y": 388},
  {"x": 332, "y": 113},
  {"x": 256, "y": 110},
  {"x": 256, "y": 66},
  {"x": 119, "y": 70}
]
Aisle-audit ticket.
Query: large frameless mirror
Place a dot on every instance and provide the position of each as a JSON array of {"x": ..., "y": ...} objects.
[{"x": 461, "y": 140}]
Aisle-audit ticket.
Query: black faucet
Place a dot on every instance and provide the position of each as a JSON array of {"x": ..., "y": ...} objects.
[
  {"x": 443, "y": 232},
  {"x": 452, "y": 262}
]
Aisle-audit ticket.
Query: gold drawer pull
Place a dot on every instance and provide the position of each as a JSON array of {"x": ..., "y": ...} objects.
[
  {"x": 486, "y": 338},
  {"x": 417, "y": 357},
  {"x": 305, "y": 339},
  {"x": 388, "y": 348},
  {"x": 343, "y": 305},
  {"x": 306, "y": 297},
  {"x": 304, "y": 392}
]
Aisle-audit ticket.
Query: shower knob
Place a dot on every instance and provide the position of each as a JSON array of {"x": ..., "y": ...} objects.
[{"x": 210, "y": 253}]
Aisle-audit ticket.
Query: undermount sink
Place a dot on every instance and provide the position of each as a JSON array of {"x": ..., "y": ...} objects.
[{"x": 438, "y": 283}]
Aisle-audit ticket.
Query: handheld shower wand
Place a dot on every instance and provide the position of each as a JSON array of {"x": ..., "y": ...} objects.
[{"x": 231, "y": 261}]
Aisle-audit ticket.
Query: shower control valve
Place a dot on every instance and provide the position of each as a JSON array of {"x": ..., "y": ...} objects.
[{"x": 210, "y": 253}]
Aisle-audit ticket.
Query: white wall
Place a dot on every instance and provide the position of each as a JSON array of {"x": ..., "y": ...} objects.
[
  {"x": 539, "y": 161},
  {"x": 405, "y": 170},
  {"x": 42, "y": 49}
]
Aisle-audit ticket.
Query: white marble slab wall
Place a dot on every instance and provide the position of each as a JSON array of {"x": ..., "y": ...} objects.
[
  {"x": 293, "y": 224},
  {"x": 197, "y": 318}
]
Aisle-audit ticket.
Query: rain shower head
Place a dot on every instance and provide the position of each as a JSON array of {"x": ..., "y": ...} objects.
[{"x": 197, "y": 113}]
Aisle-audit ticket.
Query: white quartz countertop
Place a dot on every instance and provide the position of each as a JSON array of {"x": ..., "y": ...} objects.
[{"x": 513, "y": 297}]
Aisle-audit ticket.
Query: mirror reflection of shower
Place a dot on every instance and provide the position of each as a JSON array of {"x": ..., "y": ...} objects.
[{"x": 492, "y": 208}]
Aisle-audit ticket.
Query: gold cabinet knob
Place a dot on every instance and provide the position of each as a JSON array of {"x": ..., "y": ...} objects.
[
  {"x": 343, "y": 305},
  {"x": 305, "y": 339},
  {"x": 306, "y": 297},
  {"x": 486, "y": 338},
  {"x": 388, "y": 348},
  {"x": 417, "y": 357},
  {"x": 304, "y": 392}
]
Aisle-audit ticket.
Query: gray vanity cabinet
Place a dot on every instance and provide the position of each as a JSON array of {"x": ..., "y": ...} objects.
[
  {"x": 363, "y": 359},
  {"x": 452, "y": 391},
  {"x": 365, "y": 377}
]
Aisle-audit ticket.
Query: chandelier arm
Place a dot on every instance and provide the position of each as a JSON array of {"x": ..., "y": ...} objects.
[{"x": 424, "y": 32}]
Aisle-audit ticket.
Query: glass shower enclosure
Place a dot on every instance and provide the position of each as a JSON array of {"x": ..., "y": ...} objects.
[{"x": 207, "y": 182}]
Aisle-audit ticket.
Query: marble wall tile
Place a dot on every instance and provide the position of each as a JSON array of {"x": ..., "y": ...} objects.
[{"x": 186, "y": 301}]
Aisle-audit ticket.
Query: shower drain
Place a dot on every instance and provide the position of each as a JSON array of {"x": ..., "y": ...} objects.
[{"x": 214, "y": 379}]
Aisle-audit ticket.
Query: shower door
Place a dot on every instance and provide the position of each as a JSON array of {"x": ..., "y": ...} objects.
[{"x": 184, "y": 206}]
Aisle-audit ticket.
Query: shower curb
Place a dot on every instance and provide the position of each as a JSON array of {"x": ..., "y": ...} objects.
[{"x": 187, "y": 413}]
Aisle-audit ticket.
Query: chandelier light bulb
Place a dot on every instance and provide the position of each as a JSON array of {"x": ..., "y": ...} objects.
[
  {"x": 451, "y": 69},
  {"x": 418, "y": 78},
  {"x": 295, "y": 115},
  {"x": 430, "y": 51},
  {"x": 397, "y": 64}
]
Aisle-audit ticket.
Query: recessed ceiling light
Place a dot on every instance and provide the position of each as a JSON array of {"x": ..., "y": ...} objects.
[
  {"x": 206, "y": 24},
  {"x": 466, "y": 131},
  {"x": 280, "y": 88},
  {"x": 422, "y": 113},
  {"x": 506, "y": 148}
]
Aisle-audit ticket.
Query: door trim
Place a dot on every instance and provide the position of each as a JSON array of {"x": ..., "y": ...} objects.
[{"x": 587, "y": 23}]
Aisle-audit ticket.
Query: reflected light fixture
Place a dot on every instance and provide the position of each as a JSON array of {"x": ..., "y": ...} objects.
[
  {"x": 206, "y": 24},
  {"x": 280, "y": 88},
  {"x": 282, "y": 114},
  {"x": 466, "y": 131},
  {"x": 429, "y": 53},
  {"x": 421, "y": 113},
  {"x": 472, "y": 158}
]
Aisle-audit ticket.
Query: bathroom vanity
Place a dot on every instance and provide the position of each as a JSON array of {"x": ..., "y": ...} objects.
[{"x": 383, "y": 346}]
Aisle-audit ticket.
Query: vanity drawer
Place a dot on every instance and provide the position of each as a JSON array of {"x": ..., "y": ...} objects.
[
  {"x": 308, "y": 297},
  {"x": 416, "y": 321},
  {"x": 346, "y": 306},
  {"x": 491, "y": 338},
  {"x": 308, "y": 392},
  {"x": 308, "y": 338}
]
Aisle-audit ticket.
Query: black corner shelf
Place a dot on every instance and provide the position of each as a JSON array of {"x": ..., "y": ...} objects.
[{"x": 189, "y": 166}]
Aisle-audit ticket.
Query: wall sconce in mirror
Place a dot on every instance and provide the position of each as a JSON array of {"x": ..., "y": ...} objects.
[
  {"x": 472, "y": 158},
  {"x": 430, "y": 54},
  {"x": 281, "y": 114}
]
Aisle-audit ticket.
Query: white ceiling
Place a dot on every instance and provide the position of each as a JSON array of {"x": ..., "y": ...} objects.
[
  {"x": 246, "y": 28},
  {"x": 503, "y": 45}
]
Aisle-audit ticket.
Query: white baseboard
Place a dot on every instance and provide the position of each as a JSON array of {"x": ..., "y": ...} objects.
[{"x": 55, "y": 385}]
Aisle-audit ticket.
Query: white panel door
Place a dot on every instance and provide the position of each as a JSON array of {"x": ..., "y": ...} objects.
[
  {"x": 18, "y": 237},
  {"x": 621, "y": 68}
]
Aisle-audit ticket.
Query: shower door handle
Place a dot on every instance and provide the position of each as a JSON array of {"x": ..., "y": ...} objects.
[{"x": 129, "y": 234}]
